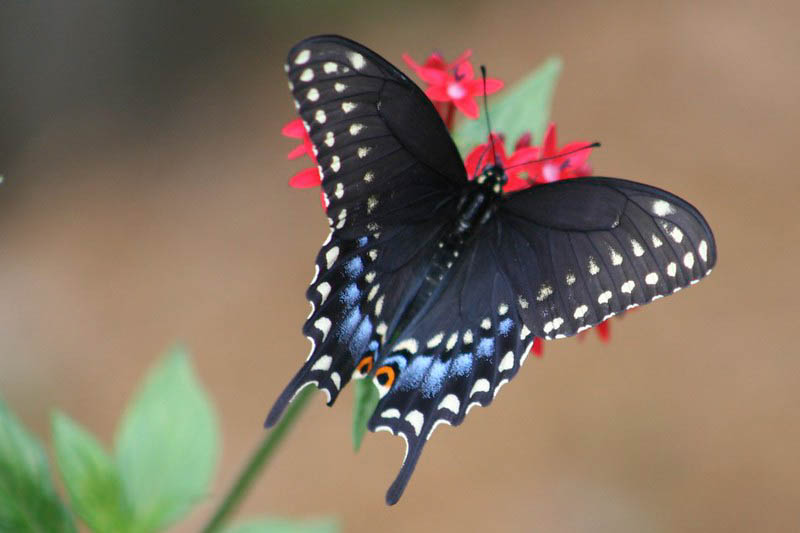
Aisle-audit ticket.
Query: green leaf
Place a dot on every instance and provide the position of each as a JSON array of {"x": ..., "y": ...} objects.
[
  {"x": 365, "y": 403},
  {"x": 28, "y": 501},
  {"x": 167, "y": 444},
  {"x": 524, "y": 107},
  {"x": 91, "y": 478},
  {"x": 275, "y": 525}
]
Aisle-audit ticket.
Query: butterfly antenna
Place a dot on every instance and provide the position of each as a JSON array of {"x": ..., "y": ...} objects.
[
  {"x": 586, "y": 147},
  {"x": 486, "y": 110}
]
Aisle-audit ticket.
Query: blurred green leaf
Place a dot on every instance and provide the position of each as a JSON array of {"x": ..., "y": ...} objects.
[
  {"x": 167, "y": 444},
  {"x": 523, "y": 107},
  {"x": 91, "y": 478},
  {"x": 28, "y": 501},
  {"x": 275, "y": 525},
  {"x": 366, "y": 401}
]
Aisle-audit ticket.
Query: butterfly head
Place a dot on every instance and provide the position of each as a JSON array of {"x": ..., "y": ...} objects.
[{"x": 493, "y": 178}]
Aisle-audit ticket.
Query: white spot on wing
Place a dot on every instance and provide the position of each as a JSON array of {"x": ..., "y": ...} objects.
[
  {"x": 651, "y": 278},
  {"x": 324, "y": 289},
  {"x": 570, "y": 279},
  {"x": 372, "y": 292},
  {"x": 467, "y": 337},
  {"x": 323, "y": 363},
  {"x": 339, "y": 192},
  {"x": 672, "y": 269},
  {"x": 638, "y": 251},
  {"x": 451, "y": 341},
  {"x": 507, "y": 363},
  {"x": 355, "y": 128},
  {"x": 391, "y": 413},
  {"x": 320, "y": 117},
  {"x": 628, "y": 286},
  {"x": 593, "y": 268},
  {"x": 656, "y": 241},
  {"x": 303, "y": 57},
  {"x": 482, "y": 385},
  {"x": 339, "y": 87},
  {"x": 336, "y": 163},
  {"x": 331, "y": 255},
  {"x": 348, "y": 106},
  {"x": 411, "y": 345},
  {"x": 313, "y": 94},
  {"x": 502, "y": 309},
  {"x": 370, "y": 277},
  {"x": 676, "y": 234},
  {"x": 604, "y": 297},
  {"x": 580, "y": 311},
  {"x": 544, "y": 291},
  {"x": 337, "y": 380},
  {"x": 616, "y": 259},
  {"x": 379, "y": 306},
  {"x": 369, "y": 176},
  {"x": 372, "y": 203},
  {"x": 524, "y": 332},
  {"x": 307, "y": 75},
  {"x": 523, "y": 303},
  {"x": 416, "y": 419},
  {"x": 451, "y": 403},
  {"x": 436, "y": 340},
  {"x": 358, "y": 62},
  {"x": 363, "y": 151},
  {"x": 702, "y": 249},
  {"x": 324, "y": 325},
  {"x": 662, "y": 208},
  {"x": 329, "y": 139},
  {"x": 688, "y": 260},
  {"x": 486, "y": 323},
  {"x": 330, "y": 67}
]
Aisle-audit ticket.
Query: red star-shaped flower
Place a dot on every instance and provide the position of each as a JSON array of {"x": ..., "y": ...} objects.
[
  {"x": 482, "y": 156},
  {"x": 557, "y": 166},
  {"x": 454, "y": 82}
]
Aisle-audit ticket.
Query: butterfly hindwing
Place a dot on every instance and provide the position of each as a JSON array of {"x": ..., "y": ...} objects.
[{"x": 465, "y": 347}]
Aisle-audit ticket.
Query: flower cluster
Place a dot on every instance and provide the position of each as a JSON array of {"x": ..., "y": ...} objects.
[{"x": 453, "y": 86}]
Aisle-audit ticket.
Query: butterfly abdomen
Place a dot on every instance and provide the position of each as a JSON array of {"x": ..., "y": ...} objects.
[{"x": 475, "y": 208}]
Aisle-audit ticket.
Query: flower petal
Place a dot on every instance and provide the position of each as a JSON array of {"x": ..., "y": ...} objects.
[
  {"x": 305, "y": 179},
  {"x": 294, "y": 129},
  {"x": 298, "y": 151},
  {"x": 434, "y": 76},
  {"x": 437, "y": 93},
  {"x": 467, "y": 106}
]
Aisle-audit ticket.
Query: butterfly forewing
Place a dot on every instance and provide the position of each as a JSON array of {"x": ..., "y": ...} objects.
[{"x": 593, "y": 247}]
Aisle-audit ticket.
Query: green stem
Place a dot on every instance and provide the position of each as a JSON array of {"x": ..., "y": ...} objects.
[{"x": 257, "y": 462}]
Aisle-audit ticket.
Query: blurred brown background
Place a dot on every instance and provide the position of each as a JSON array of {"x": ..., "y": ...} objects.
[{"x": 145, "y": 201}]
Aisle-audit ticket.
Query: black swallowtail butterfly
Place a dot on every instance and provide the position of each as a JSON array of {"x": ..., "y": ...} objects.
[{"x": 434, "y": 285}]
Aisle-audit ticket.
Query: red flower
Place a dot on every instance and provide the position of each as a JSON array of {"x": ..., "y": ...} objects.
[
  {"x": 454, "y": 82},
  {"x": 482, "y": 155},
  {"x": 559, "y": 167},
  {"x": 307, "y": 178},
  {"x": 436, "y": 61}
]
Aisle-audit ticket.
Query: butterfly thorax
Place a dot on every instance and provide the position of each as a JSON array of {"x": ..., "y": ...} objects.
[{"x": 474, "y": 209}]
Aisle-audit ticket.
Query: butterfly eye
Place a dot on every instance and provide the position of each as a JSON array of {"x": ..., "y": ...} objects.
[
  {"x": 384, "y": 379},
  {"x": 364, "y": 367}
]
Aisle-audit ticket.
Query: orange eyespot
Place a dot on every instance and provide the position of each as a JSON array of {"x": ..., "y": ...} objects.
[
  {"x": 385, "y": 377},
  {"x": 365, "y": 365}
]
